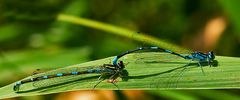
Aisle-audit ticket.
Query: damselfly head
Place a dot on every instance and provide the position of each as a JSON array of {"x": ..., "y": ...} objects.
[
  {"x": 211, "y": 55},
  {"x": 121, "y": 64},
  {"x": 16, "y": 87}
]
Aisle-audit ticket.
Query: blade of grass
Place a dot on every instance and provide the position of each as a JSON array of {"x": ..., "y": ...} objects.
[
  {"x": 150, "y": 74},
  {"x": 119, "y": 31},
  {"x": 174, "y": 95},
  {"x": 213, "y": 94},
  {"x": 196, "y": 94}
]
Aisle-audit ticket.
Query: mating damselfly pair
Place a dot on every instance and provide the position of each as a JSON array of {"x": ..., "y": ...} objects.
[{"x": 106, "y": 71}]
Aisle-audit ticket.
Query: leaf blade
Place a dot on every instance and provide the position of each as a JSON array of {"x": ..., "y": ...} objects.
[{"x": 151, "y": 76}]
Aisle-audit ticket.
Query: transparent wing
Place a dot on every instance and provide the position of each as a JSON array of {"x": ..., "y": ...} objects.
[
  {"x": 155, "y": 57},
  {"x": 176, "y": 77},
  {"x": 172, "y": 68},
  {"x": 59, "y": 81},
  {"x": 183, "y": 75}
]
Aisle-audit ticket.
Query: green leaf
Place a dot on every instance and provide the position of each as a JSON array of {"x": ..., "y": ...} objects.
[
  {"x": 174, "y": 95},
  {"x": 148, "y": 71},
  {"x": 112, "y": 29},
  {"x": 195, "y": 94}
]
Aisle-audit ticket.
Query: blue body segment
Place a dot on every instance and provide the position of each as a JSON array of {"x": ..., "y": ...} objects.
[
  {"x": 154, "y": 47},
  {"x": 98, "y": 70},
  {"x": 45, "y": 77},
  {"x": 199, "y": 57},
  {"x": 90, "y": 71},
  {"x": 168, "y": 51},
  {"x": 74, "y": 73},
  {"x": 115, "y": 59},
  {"x": 189, "y": 57},
  {"x": 19, "y": 82},
  {"x": 59, "y": 74}
]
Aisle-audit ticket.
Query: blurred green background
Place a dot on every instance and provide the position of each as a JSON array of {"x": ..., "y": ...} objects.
[{"x": 31, "y": 37}]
